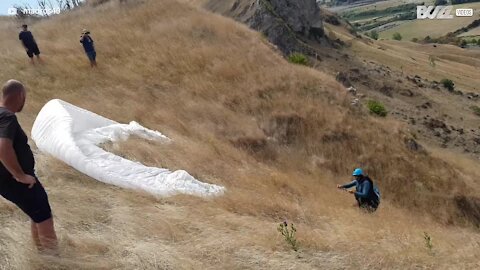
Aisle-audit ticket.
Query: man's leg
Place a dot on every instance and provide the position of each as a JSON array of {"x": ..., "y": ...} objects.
[
  {"x": 36, "y": 239},
  {"x": 92, "y": 57},
  {"x": 46, "y": 234},
  {"x": 30, "y": 55}
]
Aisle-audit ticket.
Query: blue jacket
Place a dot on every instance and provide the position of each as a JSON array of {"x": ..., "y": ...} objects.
[{"x": 362, "y": 187}]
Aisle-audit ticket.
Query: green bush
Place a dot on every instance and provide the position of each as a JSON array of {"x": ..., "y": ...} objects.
[
  {"x": 447, "y": 83},
  {"x": 476, "y": 110},
  {"x": 414, "y": 39},
  {"x": 397, "y": 36},
  {"x": 377, "y": 108},
  {"x": 478, "y": 42},
  {"x": 473, "y": 41},
  {"x": 298, "y": 58},
  {"x": 374, "y": 34}
]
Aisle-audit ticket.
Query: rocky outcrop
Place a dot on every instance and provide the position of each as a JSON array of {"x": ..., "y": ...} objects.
[{"x": 284, "y": 22}]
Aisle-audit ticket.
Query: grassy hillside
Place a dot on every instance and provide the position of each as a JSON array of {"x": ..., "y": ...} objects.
[{"x": 277, "y": 136}]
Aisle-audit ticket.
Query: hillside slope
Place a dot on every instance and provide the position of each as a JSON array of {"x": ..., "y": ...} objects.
[{"x": 277, "y": 136}]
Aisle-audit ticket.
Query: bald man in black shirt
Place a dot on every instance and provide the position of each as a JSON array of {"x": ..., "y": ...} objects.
[{"x": 18, "y": 182}]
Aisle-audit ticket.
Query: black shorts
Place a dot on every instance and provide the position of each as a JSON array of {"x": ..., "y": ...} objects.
[
  {"x": 33, "y": 201},
  {"x": 92, "y": 56},
  {"x": 33, "y": 50}
]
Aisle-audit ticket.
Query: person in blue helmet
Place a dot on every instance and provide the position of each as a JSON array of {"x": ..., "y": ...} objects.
[{"x": 366, "y": 193}]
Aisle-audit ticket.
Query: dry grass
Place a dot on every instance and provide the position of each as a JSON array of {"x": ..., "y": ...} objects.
[{"x": 206, "y": 82}]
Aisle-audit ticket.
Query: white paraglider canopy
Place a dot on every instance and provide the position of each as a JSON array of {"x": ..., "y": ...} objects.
[{"x": 73, "y": 134}]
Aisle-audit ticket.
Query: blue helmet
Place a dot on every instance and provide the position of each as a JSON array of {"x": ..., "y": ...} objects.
[{"x": 357, "y": 172}]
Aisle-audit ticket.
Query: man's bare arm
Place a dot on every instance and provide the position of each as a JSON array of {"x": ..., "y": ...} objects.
[{"x": 10, "y": 161}]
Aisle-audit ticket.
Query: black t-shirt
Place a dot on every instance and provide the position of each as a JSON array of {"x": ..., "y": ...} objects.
[
  {"x": 87, "y": 43},
  {"x": 27, "y": 38},
  {"x": 10, "y": 128}
]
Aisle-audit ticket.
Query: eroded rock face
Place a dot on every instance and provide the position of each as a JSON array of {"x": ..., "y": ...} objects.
[
  {"x": 302, "y": 16},
  {"x": 284, "y": 22}
]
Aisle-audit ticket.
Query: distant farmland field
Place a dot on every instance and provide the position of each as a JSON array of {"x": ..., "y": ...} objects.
[{"x": 433, "y": 28}]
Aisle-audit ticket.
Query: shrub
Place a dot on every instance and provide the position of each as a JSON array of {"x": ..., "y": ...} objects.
[
  {"x": 428, "y": 241},
  {"x": 441, "y": 2},
  {"x": 298, "y": 58},
  {"x": 473, "y": 41},
  {"x": 374, "y": 34},
  {"x": 478, "y": 42},
  {"x": 432, "y": 60},
  {"x": 463, "y": 43},
  {"x": 447, "y": 83},
  {"x": 476, "y": 110},
  {"x": 377, "y": 108},
  {"x": 289, "y": 234},
  {"x": 414, "y": 39},
  {"x": 397, "y": 36}
]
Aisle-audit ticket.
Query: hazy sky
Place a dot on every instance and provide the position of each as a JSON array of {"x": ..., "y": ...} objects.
[{"x": 6, "y": 4}]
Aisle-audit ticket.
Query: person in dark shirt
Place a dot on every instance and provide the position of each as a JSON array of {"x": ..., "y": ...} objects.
[
  {"x": 29, "y": 43},
  {"x": 18, "y": 182},
  {"x": 364, "y": 191},
  {"x": 89, "y": 47}
]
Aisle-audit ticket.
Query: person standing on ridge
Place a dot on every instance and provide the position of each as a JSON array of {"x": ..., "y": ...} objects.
[
  {"x": 366, "y": 193},
  {"x": 29, "y": 43},
  {"x": 89, "y": 47},
  {"x": 18, "y": 182}
]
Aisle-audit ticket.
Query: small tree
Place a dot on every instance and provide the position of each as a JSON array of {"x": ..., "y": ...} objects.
[
  {"x": 473, "y": 41},
  {"x": 478, "y": 42},
  {"x": 463, "y": 43},
  {"x": 397, "y": 36}
]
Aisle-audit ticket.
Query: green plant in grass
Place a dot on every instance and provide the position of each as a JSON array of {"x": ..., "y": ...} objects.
[
  {"x": 476, "y": 110},
  {"x": 432, "y": 59},
  {"x": 397, "y": 36},
  {"x": 447, "y": 83},
  {"x": 298, "y": 58},
  {"x": 428, "y": 241},
  {"x": 289, "y": 234},
  {"x": 377, "y": 108}
]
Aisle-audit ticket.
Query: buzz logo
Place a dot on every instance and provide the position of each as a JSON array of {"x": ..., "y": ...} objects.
[{"x": 434, "y": 12}]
